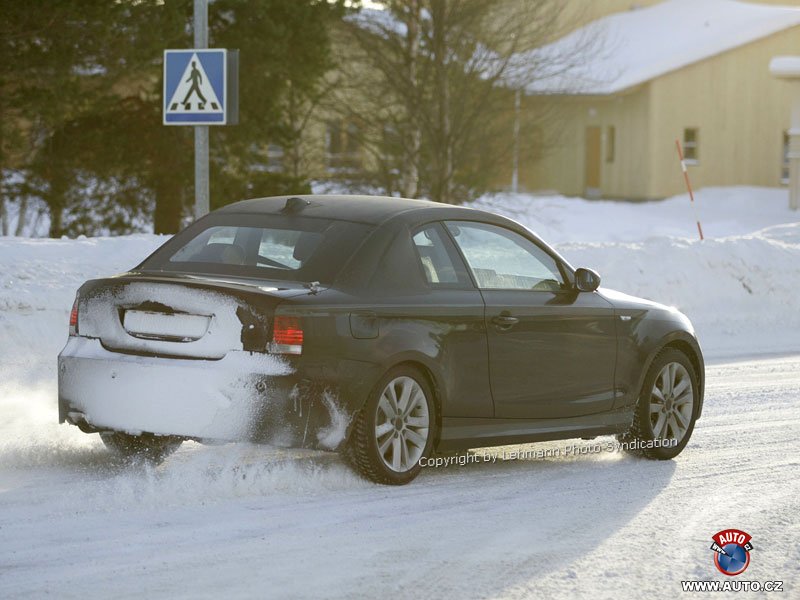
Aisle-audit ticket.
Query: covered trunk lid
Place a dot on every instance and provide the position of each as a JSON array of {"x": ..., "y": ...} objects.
[{"x": 182, "y": 316}]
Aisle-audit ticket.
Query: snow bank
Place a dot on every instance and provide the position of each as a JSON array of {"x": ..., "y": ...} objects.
[
  {"x": 723, "y": 211},
  {"x": 738, "y": 286},
  {"x": 740, "y": 292},
  {"x": 38, "y": 281}
]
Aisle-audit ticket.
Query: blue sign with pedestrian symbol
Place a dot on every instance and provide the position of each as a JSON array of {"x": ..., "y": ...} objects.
[{"x": 196, "y": 87}]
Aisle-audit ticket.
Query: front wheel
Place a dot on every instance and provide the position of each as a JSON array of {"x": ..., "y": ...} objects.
[
  {"x": 667, "y": 408},
  {"x": 153, "y": 448},
  {"x": 395, "y": 429}
]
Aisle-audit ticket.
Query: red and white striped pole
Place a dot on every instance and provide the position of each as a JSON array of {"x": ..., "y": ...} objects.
[{"x": 689, "y": 187}]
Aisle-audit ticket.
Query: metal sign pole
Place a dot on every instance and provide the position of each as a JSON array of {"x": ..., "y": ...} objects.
[{"x": 201, "y": 187}]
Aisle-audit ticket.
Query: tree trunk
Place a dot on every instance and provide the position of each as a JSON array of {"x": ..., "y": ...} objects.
[
  {"x": 56, "y": 201},
  {"x": 167, "y": 217},
  {"x": 291, "y": 153},
  {"x": 443, "y": 178},
  {"x": 3, "y": 217},
  {"x": 167, "y": 182},
  {"x": 3, "y": 214},
  {"x": 56, "y": 221},
  {"x": 22, "y": 217},
  {"x": 411, "y": 146}
]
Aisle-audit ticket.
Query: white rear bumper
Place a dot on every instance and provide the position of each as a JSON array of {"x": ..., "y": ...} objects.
[{"x": 207, "y": 399}]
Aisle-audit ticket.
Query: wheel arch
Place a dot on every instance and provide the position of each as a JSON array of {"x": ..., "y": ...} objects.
[
  {"x": 687, "y": 345},
  {"x": 356, "y": 450},
  {"x": 424, "y": 365},
  {"x": 436, "y": 389}
]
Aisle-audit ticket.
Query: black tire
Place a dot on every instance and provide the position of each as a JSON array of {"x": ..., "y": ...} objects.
[
  {"x": 640, "y": 439},
  {"x": 148, "y": 447},
  {"x": 362, "y": 450}
]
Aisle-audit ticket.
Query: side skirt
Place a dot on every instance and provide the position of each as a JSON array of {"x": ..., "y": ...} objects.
[{"x": 464, "y": 433}]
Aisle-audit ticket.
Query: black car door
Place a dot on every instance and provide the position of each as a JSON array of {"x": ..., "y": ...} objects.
[
  {"x": 552, "y": 349},
  {"x": 425, "y": 301}
]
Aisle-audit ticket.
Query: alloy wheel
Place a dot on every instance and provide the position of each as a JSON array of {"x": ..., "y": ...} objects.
[
  {"x": 402, "y": 424},
  {"x": 671, "y": 403}
]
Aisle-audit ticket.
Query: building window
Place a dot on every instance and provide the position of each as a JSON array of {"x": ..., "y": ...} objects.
[
  {"x": 611, "y": 143},
  {"x": 342, "y": 146},
  {"x": 785, "y": 163},
  {"x": 274, "y": 158},
  {"x": 691, "y": 145}
]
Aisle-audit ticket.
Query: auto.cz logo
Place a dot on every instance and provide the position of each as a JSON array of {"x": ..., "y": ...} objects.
[
  {"x": 732, "y": 585},
  {"x": 732, "y": 551},
  {"x": 732, "y": 557}
]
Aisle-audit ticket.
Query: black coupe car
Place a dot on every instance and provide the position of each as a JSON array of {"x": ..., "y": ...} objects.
[{"x": 383, "y": 328}]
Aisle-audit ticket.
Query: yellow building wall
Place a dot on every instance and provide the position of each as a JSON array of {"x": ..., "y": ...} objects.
[
  {"x": 562, "y": 164},
  {"x": 741, "y": 112}
]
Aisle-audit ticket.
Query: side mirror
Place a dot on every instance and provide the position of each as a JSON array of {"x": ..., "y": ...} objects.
[{"x": 586, "y": 280}]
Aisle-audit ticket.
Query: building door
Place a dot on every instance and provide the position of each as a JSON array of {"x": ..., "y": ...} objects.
[{"x": 594, "y": 144}]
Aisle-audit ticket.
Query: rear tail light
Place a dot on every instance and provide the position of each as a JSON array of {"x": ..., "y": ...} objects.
[
  {"x": 287, "y": 336},
  {"x": 73, "y": 318}
]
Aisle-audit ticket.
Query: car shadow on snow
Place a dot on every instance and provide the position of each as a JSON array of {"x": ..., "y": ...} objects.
[
  {"x": 526, "y": 517},
  {"x": 477, "y": 529},
  {"x": 480, "y": 529}
]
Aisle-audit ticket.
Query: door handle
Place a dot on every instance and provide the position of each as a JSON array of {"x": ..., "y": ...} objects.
[{"x": 505, "y": 321}]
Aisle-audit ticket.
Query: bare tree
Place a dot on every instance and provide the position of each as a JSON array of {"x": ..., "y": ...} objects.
[
  {"x": 413, "y": 132},
  {"x": 3, "y": 217},
  {"x": 432, "y": 85},
  {"x": 300, "y": 107},
  {"x": 22, "y": 216}
]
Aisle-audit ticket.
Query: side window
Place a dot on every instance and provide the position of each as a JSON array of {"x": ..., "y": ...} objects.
[
  {"x": 436, "y": 262},
  {"x": 502, "y": 259}
]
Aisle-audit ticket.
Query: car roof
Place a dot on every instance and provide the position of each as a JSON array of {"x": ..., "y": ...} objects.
[{"x": 362, "y": 209}]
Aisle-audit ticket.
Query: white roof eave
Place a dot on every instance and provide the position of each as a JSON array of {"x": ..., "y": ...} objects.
[{"x": 647, "y": 43}]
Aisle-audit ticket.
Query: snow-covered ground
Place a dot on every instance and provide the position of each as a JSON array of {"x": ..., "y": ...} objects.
[
  {"x": 243, "y": 521},
  {"x": 723, "y": 212}
]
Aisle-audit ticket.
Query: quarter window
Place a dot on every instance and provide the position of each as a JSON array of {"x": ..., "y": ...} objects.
[
  {"x": 436, "y": 262},
  {"x": 503, "y": 259}
]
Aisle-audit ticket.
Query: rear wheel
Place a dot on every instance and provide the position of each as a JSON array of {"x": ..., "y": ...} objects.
[
  {"x": 153, "y": 448},
  {"x": 395, "y": 429},
  {"x": 667, "y": 408}
]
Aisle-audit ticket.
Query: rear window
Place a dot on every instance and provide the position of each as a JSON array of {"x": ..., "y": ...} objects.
[{"x": 261, "y": 246}]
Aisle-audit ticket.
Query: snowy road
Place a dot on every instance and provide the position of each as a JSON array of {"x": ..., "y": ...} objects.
[{"x": 241, "y": 521}]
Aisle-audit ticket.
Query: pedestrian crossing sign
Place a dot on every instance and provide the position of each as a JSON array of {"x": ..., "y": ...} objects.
[{"x": 196, "y": 86}]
